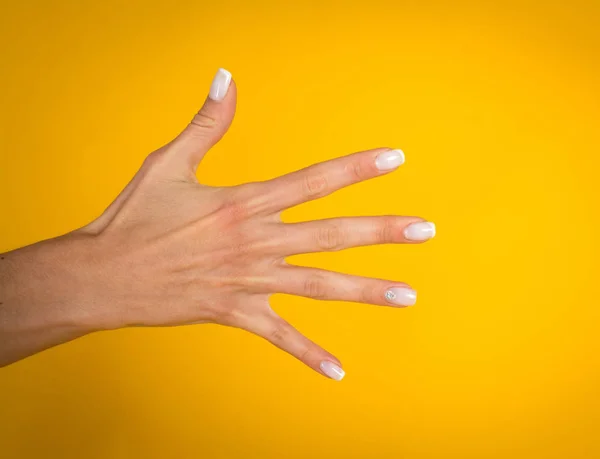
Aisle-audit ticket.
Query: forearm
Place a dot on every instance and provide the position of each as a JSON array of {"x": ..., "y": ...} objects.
[{"x": 42, "y": 302}]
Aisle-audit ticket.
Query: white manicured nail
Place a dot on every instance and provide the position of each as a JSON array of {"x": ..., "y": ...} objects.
[
  {"x": 332, "y": 370},
  {"x": 220, "y": 85},
  {"x": 389, "y": 160},
  {"x": 401, "y": 296},
  {"x": 419, "y": 231}
]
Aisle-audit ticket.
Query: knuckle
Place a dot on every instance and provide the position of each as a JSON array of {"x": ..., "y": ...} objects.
[
  {"x": 366, "y": 295},
  {"x": 204, "y": 120},
  {"x": 315, "y": 287},
  {"x": 251, "y": 194},
  {"x": 241, "y": 249},
  {"x": 279, "y": 332},
  {"x": 241, "y": 254},
  {"x": 234, "y": 210},
  {"x": 305, "y": 354},
  {"x": 154, "y": 158},
  {"x": 227, "y": 316},
  {"x": 330, "y": 238},
  {"x": 356, "y": 170},
  {"x": 314, "y": 185},
  {"x": 246, "y": 190},
  {"x": 386, "y": 230}
]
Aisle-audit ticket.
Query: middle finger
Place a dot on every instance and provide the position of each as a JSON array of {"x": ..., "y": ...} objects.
[{"x": 334, "y": 234}]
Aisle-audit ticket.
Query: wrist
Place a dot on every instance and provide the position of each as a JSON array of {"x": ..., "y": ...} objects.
[{"x": 43, "y": 288}]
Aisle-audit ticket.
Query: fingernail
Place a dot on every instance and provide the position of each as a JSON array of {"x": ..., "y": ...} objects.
[
  {"x": 389, "y": 160},
  {"x": 332, "y": 370},
  {"x": 401, "y": 296},
  {"x": 220, "y": 85},
  {"x": 419, "y": 231}
]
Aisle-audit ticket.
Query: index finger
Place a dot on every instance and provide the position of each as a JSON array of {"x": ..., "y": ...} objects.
[{"x": 324, "y": 178}]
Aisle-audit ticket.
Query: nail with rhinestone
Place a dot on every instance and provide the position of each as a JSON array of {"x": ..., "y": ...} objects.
[{"x": 401, "y": 296}]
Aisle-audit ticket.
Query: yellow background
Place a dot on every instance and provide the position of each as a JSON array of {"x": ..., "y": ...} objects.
[{"x": 497, "y": 106}]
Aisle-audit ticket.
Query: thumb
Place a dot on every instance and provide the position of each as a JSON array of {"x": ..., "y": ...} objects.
[{"x": 208, "y": 126}]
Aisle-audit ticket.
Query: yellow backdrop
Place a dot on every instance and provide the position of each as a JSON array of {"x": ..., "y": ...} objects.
[{"x": 496, "y": 105}]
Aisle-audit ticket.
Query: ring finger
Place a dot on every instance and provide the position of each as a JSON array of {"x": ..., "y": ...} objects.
[{"x": 321, "y": 284}]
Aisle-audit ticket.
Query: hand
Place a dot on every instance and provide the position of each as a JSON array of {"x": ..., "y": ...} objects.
[{"x": 171, "y": 251}]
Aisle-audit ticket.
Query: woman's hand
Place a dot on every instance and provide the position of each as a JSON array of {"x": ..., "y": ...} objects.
[{"x": 171, "y": 251}]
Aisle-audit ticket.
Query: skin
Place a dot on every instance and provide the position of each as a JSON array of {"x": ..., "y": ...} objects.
[{"x": 171, "y": 251}]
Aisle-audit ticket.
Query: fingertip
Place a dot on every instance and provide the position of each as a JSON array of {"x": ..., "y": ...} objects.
[
  {"x": 332, "y": 370},
  {"x": 220, "y": 85},
  {"x": 419, "y": 231},
  {"x": 402, "y": 296},
  {"x": 390, "y": 160}
]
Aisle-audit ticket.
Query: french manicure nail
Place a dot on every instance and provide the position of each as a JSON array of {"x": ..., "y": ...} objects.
[
  {"x": 419, "y": 231},
  {"x": 389, "y": 160},
  {"x": 332, "y": 370},
  {"x": 401, "y": 296},
  {"x": 220, "y": 85}
]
